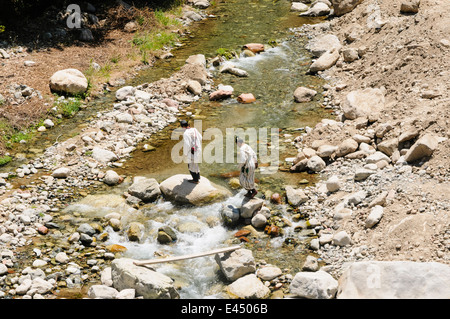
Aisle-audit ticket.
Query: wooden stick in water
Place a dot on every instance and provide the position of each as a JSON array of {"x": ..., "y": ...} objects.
[{"x": 170, "y": 259}]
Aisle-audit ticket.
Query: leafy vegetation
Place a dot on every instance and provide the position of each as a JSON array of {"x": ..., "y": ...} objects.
[
  {"x": 226, "y": 53},
  {"x": 67, "y": 107},
  {"x": 5, "y": 160},
  {"x": 162, "y": 35}
]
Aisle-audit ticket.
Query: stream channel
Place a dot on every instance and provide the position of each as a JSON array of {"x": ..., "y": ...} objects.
[{"x": 273, "y": 77}]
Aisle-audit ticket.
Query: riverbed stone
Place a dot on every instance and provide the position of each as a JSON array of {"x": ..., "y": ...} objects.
[
  {"x": 250, "y": 206},
  {"x": 146, "y": 189},
  {"x": 177, "y": 188},
  {"x": 236, "y": 264},
  {"x": 62, "y": 172},
  {"x": 124, "y": 92},
  {"x": 299, "y": 7},
  {"x": 111, "y": 178},
  {"x": 254, "y": 47},
  {"x": 317, "y": 9},
  {"x": 259, "y": 221},
  {"x": 230, "y": 215},
  {"x": 303, "y": 94},
  {"x": 135, "y": 231},
  {"x": 102, "y": 292},
  {"x": 350, "y": 54},
  {"x": 363, "y": 173},
  {"x": 103, "y": 156},
  {"x": 294, "y": 196},
  {"x": 314, "y": 285},
  {"x": 311, "y": 264},
  {"x": 220, "y": 95},
  {"x": 146, "y": 282},
  {"x": 322, "y": 43},
  {"x": 326, "y": 61},
  {"x": 248, "y": 287},
  {"x": 395, "y": 280},
  {"x": 316, "y": 164},
  {"x": 268, "y": 273}
]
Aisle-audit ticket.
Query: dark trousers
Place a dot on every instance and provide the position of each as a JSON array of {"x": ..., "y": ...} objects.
[{"x": 195, "y": 176}]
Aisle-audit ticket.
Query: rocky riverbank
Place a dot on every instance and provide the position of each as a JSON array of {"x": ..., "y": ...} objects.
[
  {"x": 384, "y": 160},
  {"x": 382, "y": 201}
]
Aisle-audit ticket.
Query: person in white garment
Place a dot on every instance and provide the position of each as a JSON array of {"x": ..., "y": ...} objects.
[
  {"x": 248, "y": 163},
  {"x": 192, "y": 150}
]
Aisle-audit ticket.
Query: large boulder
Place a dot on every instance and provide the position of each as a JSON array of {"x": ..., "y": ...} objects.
[
  {"x": 147, "y": 283},
  {"x": 395, "y": 280},
  {"x": 363, "y": 103},
  {"x": 342, "y": 7},
  {"x": 177, "y": 188},
  {"x": 146, "y": 189},
  {"x": 70, "y": 81}
]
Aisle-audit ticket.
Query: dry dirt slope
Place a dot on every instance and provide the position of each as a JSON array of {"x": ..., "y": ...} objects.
[{"x": 409, "y": 56}]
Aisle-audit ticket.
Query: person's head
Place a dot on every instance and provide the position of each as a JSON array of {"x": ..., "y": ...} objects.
[
  {"x": 184, "y": 124},
  {"x": 239, "y": 141}
]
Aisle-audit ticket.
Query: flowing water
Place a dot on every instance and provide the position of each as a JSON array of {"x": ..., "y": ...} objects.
[{"x": 273, "y": 77}]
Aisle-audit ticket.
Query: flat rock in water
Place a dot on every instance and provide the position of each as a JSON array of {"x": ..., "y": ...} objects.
[
  {"x": 178, "y": 189},
  {"x": 146, "y": 189}
]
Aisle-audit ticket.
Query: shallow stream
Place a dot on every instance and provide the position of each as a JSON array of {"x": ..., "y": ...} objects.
[{"x": 273, "y": 77}]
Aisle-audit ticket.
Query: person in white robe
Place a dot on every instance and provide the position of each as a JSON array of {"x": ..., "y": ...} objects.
[
  {"x": 192, "y": 150},
  {"x": 248, "y": 163}
]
